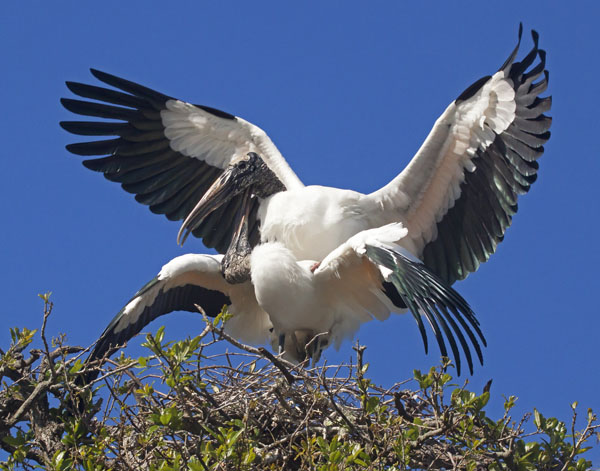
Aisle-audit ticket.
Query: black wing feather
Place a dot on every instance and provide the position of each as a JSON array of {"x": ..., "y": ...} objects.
[
  {"x": 473, "y": 227},
  {"x": 427, "y": 295},
  {"x": 180, "y": 298}
]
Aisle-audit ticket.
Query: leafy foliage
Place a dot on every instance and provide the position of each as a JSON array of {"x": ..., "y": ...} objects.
[{"x": 183, "y": 406}]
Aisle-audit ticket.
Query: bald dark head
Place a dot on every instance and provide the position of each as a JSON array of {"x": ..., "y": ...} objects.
[{"x": 249, "y": 173}]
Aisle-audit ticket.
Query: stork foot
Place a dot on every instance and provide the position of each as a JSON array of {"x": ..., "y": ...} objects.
[{"x": 314, "y": 266}]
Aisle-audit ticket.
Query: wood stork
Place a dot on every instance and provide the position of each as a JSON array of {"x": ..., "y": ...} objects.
[
  {"x": 456, "y": 197},
  {"x": 298, "y": 300}
]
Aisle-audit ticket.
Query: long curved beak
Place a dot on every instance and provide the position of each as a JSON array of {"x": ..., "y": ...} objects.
[{"x": 219, "y": 193}]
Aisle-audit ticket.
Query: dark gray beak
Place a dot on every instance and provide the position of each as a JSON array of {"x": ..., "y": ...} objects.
[{"x": 219, "y": 193}]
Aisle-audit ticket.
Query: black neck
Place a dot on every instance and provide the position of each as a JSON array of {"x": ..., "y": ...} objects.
[{"x": 269, "y": 182}]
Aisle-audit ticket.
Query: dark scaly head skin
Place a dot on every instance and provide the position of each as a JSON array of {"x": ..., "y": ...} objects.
[
  {"x": 265, "y": 182},
  {"x": 249, "y": 171}
]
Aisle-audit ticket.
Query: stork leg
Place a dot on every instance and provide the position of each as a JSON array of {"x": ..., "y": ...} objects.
[
  {"x": 322, "y": 343},
  {"x": 281, "y": 343},
  {"x": 298, "y": 352},
  {"x": 316, "y": 351}
]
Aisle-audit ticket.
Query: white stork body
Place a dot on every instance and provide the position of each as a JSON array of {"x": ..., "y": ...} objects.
[
  {"x": 297, "y": 300},
  {"x": 342, "y": 293},
  {"x": 313, "y": 220}
]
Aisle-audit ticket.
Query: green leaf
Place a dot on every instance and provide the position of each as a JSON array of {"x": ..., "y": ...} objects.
[
  {"x": 371, "y": 404},
  {"x": 417, "y": 375},
  {"x": 76, "y": 367},
  {"x": 58, "y": 459},
  {"x": 195, "y": 465},
  {"x": 217, "y": 319},
  {"x": 13, "y": 441},
  {"x": 537, "y": 419},
  {"x": 322, "y": 444},
  {"x": 165, "y": 417},
  {"x": 46, "y": 296},
  {"x": 21, "y": 338},
  {"x": 249, "y": 457},
  {"x": 509, "y": 403},
  {"x": 483, "y": 400},
  {"x": 170, "y": 381},
  {"x": 335, "y": 457},
  {"x": 583, "y": 464},
  {"x": 160, "y": 334}
]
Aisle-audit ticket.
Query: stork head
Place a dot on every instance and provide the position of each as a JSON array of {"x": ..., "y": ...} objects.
[{"x": 249, "y": 172}]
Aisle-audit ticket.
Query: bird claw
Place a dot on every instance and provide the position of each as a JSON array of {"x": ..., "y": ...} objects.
[{"x": 314, "y": 266}]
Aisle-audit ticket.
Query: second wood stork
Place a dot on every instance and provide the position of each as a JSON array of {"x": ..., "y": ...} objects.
[
  {"x": 303, "y": 302},
  {"x": 456, "y": 197}
]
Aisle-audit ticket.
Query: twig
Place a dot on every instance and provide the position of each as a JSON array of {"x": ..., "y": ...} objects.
[
  {"x": 336, "y": 407},
  {"x": 47, "y": 311},
  {"x": 44, "y": 385},
  {"x": 280, "y": 366},
  {"x": 587, "y": 432},
  {"x": 401, "y": 410}
]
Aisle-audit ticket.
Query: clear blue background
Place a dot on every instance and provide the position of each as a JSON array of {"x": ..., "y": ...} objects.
[{"x": 348, "y": 91}]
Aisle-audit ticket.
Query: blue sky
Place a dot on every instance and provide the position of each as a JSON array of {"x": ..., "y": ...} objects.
[{"x": 348, "y": 93}]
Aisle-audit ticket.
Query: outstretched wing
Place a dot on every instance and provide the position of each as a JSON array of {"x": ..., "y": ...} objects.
[
  {"x": 407, "y": 282},
  {"x": 166, "y": 151},
  {"x": 183, "y": 283},
  {"x": 458, "y": 194}
]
